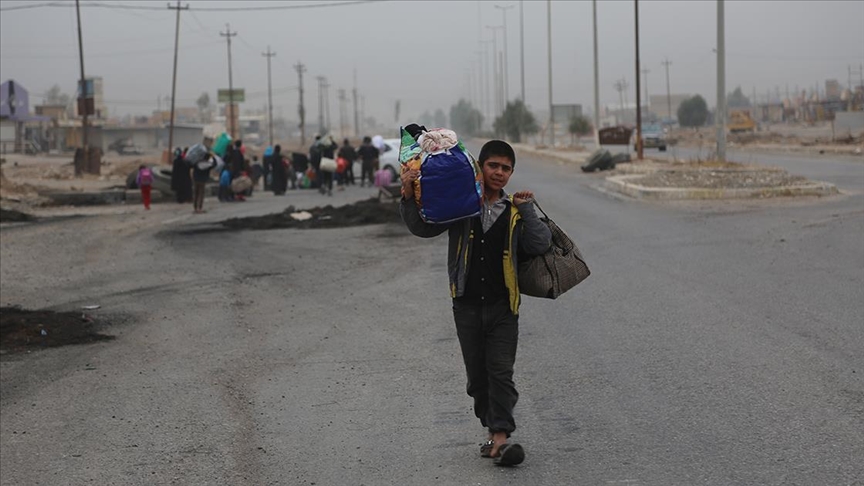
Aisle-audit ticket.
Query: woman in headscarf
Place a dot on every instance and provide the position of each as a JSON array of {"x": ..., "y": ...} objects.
[
  {"x": 277, "y": 168},
  {"x": 181, "y": 180}
]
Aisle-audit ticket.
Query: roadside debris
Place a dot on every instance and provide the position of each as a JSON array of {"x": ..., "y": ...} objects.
[
  {"x": 14, "y": 216},
  {"x": 366, "y": 212},
  {"x": 22, "y": 329}
]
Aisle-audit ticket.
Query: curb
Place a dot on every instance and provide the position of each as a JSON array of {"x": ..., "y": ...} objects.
[
  {"x": 567, "y": 157},
  {"x": 621, "y": 185}
]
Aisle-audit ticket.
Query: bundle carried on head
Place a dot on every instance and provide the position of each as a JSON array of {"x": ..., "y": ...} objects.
[{"x": 450, "y": 185}]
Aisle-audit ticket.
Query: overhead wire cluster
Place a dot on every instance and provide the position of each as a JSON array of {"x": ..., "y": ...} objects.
[{"x": 118, "y": 6}]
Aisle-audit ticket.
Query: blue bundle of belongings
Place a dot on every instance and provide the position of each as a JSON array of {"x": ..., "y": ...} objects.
[{"x": 450, "y": 185}]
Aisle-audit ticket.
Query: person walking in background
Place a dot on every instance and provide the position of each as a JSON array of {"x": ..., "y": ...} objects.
[
  {"x": 368, "y": 155},
  {"x": 278, "y": 182},
  {"x": 200, "y": 176},
  {"x": 483, "y": 269},
  {"x": 347, "y": 152},
  {"x": 145, "y": 182},
  {"x": 225, "y": 194},
  {"x": 328, "y": 151},
  {"x": 181, "y": 179},
  {"x": 315, "y": 159},
  {"x": 237, "y": 160}
]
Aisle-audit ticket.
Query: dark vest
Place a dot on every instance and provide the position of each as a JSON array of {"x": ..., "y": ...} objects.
[{"x": 485, "y": 283}]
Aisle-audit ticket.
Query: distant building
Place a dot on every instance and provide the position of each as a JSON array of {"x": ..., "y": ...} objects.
[
  {"x": 832, "y": 89},
  {"x": 660, "y": 105}
]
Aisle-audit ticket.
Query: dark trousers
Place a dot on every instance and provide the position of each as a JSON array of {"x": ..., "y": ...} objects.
[
  {"x": 488, "y": 335},
  {"x": 367, "y": 172},
  {"x": 326, "y": 182},
  {"x": 198, "y": 200},
  {"x": 349, "y": 173}
]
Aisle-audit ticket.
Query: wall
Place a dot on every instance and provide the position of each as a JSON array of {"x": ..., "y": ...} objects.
[{"x": 848, "y": 123}]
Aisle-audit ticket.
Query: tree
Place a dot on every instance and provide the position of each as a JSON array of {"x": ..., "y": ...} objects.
[
  {"x": 55, "y": 96},
  {"x": 693, "y": 112},
  {"x": 516, "y": 121},
  {"x": 580, "y": 125},
  {"x": 465, "y": 120},
  {"x": 440, "y": 118},
  {"x": 426, "y": 119},
  {"x": 203, "y": 102},
  {"x": 736, "y": 99}
]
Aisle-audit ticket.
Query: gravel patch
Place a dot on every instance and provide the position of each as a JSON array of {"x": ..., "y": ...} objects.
[{"x": 720, "y": 179}]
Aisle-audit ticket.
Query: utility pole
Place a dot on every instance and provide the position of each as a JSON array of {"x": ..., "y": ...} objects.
[
  {"x": 721, "y": 82},
  {"x": 638, "y": 90},
  {"x": 174, "y": 76},
  {"x": 620, "y": 86},
  {"x": 645, "y": 71},
  {"x": 495, "y": 67},
  {"x": 522, "y": 45},
  {"x": 354, "y": 97},
  {"x": 506, "y": 66},
  {"x": 596, "y": 81},
  {"x": 549, "y": 52},
  {"x": 481, "y": 84},
  {"x": 342, "y": 100},
  {"x": 268, "y": 55},
  {"x": 327, "y": 106},
  {"x": 228, "y": 35},
  {"x": 626, "y": 85},
  {"x": 487, "y": 82},
  {"x": 84, "y": 163},
  {"x": 301, "y": 110},
  {"x": 666, "y": 63},
  {"x": 321, "y": 81},
  {"x": 363, "y": 110}
]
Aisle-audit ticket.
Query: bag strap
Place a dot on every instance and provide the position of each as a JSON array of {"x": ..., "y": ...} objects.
[{"x": 538, "y": 207}]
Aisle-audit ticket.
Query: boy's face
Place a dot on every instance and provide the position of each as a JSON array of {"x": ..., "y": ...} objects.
[{"x": 497, "y": 170}]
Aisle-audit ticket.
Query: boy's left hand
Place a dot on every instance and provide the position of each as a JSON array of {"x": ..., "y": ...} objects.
[{"x": 522, "y": 197}]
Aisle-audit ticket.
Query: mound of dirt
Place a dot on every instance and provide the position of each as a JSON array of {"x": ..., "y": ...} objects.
[
  {"x": 13, "y": 216},
  {"x": 22, "y": 329},
  {"x": 370, "y": 211},
  {"x": 717, "y": 179}
]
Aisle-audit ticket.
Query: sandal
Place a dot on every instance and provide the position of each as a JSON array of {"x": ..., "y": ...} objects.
[
  {"x": 510, "y": 455},
  {"x": 486, "y": 448}
]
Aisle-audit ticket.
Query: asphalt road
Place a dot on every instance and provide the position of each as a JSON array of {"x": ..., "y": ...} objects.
[{"x": 714, "y": 344}]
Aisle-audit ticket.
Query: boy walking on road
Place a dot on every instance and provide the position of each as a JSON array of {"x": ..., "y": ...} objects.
[{"x": 482, "y": 265}]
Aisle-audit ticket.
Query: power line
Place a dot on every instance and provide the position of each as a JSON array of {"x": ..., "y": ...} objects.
[
  {"x": 201, "y": 9},
  {"x": 111, "y": 54}
]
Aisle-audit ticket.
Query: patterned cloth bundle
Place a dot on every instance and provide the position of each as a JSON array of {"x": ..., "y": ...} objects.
[{"x": 450, "y": 185}]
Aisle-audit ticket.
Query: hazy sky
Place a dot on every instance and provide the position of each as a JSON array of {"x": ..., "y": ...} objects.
[{"x": 421, "y": 52}]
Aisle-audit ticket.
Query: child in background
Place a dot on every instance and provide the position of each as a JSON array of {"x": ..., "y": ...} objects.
[{"x": 145, "y": 182}]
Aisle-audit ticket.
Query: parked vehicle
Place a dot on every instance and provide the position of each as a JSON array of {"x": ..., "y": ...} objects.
[
  {"x": 389, "y": 158},
  {"x": 653, "y": 136},
  {"x": 740, "y": 121}
]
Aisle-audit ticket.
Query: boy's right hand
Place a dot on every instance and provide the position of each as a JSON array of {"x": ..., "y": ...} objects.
[{"x": 408, "y": 177}]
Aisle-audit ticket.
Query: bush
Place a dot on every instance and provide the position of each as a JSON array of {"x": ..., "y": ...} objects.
[
  {"x": 693, "y": 112},
  {"x": 516, "y": 121}
]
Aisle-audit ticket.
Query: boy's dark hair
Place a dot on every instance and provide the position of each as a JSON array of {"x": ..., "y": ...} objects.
[
  {"x": 346, "y": 141},
  {"x": 499, "y": 148},
  {"x": 238, "y": 143},
  {"x": 367, "y": 139}
]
